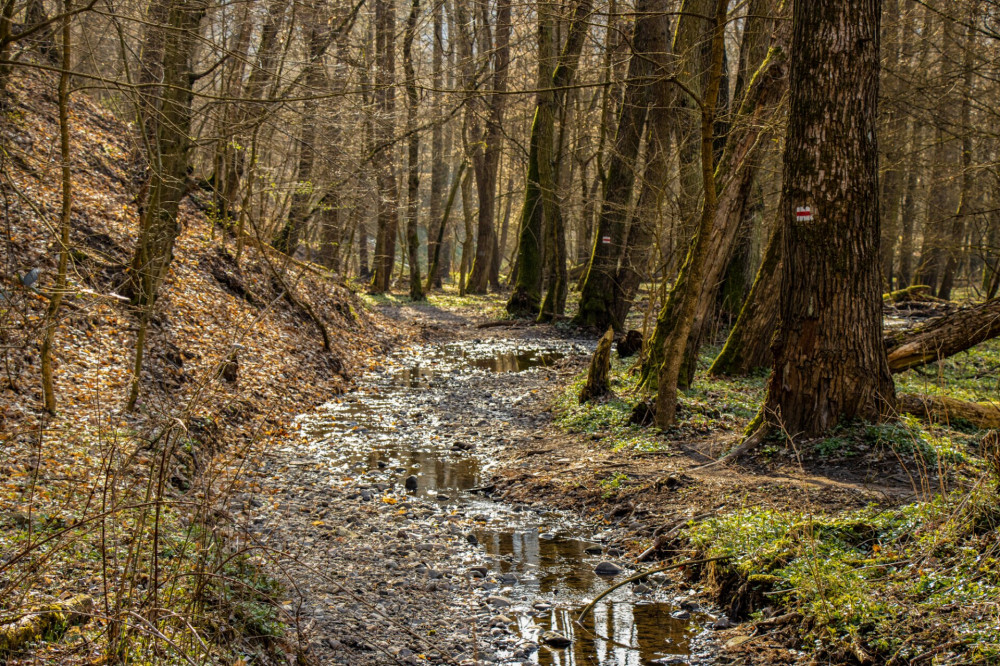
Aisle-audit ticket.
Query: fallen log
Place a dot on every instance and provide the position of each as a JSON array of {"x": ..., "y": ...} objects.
[
  {"x": 944, "y": 336},
  {"x": 920, "y": 293},
  {"x": 34, "y": 625},
  {"x": 940, "y": 409}
]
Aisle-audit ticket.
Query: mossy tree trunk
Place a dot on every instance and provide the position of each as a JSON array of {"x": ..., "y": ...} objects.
[
  {"x": 690, "y": 281},
  {"x": 735, "y": 177}
]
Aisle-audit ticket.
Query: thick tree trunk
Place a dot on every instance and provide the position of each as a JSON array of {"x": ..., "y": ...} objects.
[
  {"x": 599, "y": 292},
  {"x": 830, "y": 362},
  {"x": 944, "y": 336}
]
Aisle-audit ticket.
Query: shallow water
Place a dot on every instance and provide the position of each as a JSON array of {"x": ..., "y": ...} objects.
[{"x": 402, "y": 423}]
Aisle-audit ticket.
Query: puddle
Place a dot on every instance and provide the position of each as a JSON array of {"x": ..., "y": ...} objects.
[{"x": 403, "y": 422}]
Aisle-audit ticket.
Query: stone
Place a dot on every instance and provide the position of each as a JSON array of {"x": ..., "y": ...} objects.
[
  {"x": 471, "y": 538},
  {"x": 555, "y": 639},
  {"x": 497, "y": 601},
  {"x": 680, "y": 614},
  {"x": 411, "y": 482},
  {"x": 607, "y": 569},
  {"x": 722, "y": 622},
  {"x": 593, "y": 550}
]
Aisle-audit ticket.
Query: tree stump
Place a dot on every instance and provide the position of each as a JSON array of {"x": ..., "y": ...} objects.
[
  {"x": 597, "y": 378},
  {"x": 630, "y": 344}
]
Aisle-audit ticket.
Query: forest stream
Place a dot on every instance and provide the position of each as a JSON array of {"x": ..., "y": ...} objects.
[{"x": 421, "y": 433}]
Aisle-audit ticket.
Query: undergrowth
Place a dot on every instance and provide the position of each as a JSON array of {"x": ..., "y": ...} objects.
[
  {"x": 891, "y": 583},
  {"x": 710, "y": 406}
]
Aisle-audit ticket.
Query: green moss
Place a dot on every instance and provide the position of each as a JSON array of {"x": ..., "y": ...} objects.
[{"x": 889, "y": 580}]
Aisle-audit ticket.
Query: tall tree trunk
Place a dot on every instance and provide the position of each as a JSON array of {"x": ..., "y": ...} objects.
[
  {"x": 439, "y": 167},
  {"x": 385, "y": 178},
  {"x": 599, "y": 292},
  {"x": 287, "y": 238},
  {"x": 892, "y": 142},
  {"x": 159, "y": 226},
  {"x": 689, "y": 282},
  {"x": 956, "y": 236},
  {"x": 942, "y": 199},
  {"x": 829, "y": 362},
  {"x": 413, "y": 155},
  {"x": 55, "y": 299},
  {"x": 734, "y": 179},
  {"x": 487, "y": 158}
]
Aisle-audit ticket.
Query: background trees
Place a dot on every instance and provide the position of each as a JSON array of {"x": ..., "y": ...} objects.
[{"x": 569, "y": 133}]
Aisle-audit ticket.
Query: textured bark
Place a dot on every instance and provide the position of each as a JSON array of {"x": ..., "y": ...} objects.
[
  {"x": 597, "y": 296},
  {"x": 385, "y": 178},
  {"x": 942, "y": 409},
  {"x": 830, "y": 363},
  {"x": 944, "y": 336}
]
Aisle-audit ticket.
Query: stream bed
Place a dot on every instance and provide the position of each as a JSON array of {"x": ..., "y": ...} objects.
[{"x": 428, "y": 422}]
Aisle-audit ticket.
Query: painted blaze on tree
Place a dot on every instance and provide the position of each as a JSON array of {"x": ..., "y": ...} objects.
[{"x": 830, "y": 363}]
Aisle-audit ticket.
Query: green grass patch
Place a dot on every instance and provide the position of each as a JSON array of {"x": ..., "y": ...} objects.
[
  {"x": 710, "y": 405},
  {"x": 894, "y": 582}
]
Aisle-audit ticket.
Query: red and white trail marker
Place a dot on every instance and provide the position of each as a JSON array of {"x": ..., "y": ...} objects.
[
  {"x": 606, "y": 240},
  {"x": 803, "y": 214}
]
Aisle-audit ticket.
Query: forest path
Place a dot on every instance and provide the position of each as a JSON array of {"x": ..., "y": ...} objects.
[{"x": 395, "y": 555}]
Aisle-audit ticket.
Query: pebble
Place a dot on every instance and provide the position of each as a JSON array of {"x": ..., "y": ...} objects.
[
  {"x": 607, "y": 569},
  {"x": 411, "y": 482},
  {"x": 555, "y": 639},
  {"x": 498, "y": 601}
]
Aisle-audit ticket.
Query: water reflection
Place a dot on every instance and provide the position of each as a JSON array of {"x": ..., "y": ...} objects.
[{"x": 616, "y": 633}]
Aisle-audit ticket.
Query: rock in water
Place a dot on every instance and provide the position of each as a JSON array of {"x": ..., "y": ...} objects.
[
  {"x": 411, "y": 482},
  {"x": 555, "y": 639},
  {"x": 630, "y": 344},
  {"x": 607, "y": 569}
]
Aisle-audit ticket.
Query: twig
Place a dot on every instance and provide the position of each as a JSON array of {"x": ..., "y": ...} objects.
[{"x": 640, "y": 576}]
